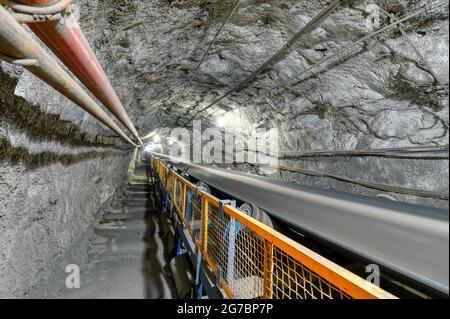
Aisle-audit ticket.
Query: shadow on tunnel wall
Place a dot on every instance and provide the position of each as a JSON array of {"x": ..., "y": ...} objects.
[
  {"x": 33, "y": 161},
  {"x": 40, "y": 126},
  {"x": 159, "y": 282}
]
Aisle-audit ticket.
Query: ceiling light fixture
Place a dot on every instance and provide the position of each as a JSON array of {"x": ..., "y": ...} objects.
[{"x": 148, "y": 148}]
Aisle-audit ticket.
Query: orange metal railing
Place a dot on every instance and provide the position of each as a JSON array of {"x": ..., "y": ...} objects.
[{"x": 253, "y": 260}]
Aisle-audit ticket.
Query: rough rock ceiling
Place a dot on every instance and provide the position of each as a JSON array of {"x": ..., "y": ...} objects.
[{"x": 378, "y": 96}]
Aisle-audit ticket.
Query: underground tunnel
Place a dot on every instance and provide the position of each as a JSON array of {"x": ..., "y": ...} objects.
[{"x": 235, "y": 149}]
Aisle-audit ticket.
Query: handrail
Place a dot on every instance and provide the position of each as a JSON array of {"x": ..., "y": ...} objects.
[{"x": 254, "y": 260}]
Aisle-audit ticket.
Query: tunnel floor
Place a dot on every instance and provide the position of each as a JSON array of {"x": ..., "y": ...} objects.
[{"x": 127, "y": 255}]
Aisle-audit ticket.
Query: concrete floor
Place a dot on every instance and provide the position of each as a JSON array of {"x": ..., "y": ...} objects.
[{"x": 128, "y": 253}]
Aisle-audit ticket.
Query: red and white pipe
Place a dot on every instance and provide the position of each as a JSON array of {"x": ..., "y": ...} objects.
[
  {"x": 65, "y": 38},
  {"x": 17, "y": 46}
]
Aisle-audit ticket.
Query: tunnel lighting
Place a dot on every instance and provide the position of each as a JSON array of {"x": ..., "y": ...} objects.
[
  {"x": 221, "y": 121},
  {"x": 171, "y": 142},
  {"x": 148, "y": 148}
]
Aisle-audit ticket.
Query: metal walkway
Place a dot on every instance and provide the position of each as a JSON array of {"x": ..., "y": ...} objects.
[{"x": 128, "y": 253}]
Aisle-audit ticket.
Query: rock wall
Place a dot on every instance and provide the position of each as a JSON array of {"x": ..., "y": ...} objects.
[{"x": 57, "y": 167}]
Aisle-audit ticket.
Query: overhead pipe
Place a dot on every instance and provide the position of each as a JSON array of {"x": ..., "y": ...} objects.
[
  {"x": 17, "y": 46},
  {"x": 37, "y": 7},
  {"x": 65, "y": 38}
]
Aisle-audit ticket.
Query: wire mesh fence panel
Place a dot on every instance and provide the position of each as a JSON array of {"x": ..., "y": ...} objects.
[
  {"x": 170, "y": 183},
  {"x": 162, "y": 175},
  {"x": 245, "y": 278},
  {"x": 165, "y": 175},
  {"x": 252, "y": 260},
  {"x": 217, "y": 248},
  {"x": 179, "y": 195},
  {"x": 194, "y": 214},
  {"x": 292, "y": 280},
  {"x": 196, "y": 205}
]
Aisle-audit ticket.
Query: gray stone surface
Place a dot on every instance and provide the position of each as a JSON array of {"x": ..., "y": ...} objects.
[{"x": 57, "y": 167}]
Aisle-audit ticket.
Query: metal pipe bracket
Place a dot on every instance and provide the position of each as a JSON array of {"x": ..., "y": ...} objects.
[{"x": 222, "y": 204}]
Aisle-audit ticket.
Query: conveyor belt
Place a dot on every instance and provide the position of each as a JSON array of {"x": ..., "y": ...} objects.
[{"x": 408, "y": 239}]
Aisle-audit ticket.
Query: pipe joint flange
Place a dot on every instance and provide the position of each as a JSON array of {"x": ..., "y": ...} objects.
[
  {"x": 42, "y": 10},
  {"x": 36, "y": 18},
  {"x": 19, "y": 61}
]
